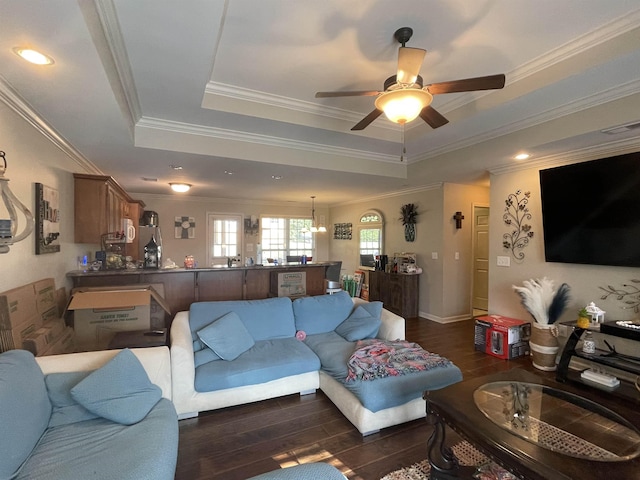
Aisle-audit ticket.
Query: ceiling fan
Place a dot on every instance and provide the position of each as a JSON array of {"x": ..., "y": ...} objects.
[{"x": 404, "y": 97}]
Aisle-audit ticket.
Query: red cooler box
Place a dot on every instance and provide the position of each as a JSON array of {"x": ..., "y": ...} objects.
[{"x": 502, "y": 337}]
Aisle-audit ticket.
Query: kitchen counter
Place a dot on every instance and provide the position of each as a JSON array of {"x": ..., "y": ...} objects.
[{"x": 183, "y": 286}]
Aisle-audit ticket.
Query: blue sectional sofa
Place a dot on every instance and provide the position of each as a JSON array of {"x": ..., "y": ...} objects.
[
  {"x": 97, "y": 415},
  {"x": 234, "y": 352}
]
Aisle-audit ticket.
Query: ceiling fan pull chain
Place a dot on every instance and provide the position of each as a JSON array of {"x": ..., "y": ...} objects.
[{"x": 404, "y": 147}]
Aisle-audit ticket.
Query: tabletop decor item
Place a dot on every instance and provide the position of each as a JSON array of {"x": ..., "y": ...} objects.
[
  {"x": 409, "y": 215},
  {"x": 545, "y": 303}
]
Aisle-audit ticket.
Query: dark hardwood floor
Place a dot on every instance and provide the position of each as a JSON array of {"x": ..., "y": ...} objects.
[{"x": 239, "y": 442}]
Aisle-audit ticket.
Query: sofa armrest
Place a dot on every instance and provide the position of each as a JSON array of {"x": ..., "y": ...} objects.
[
  {"x": 155, "y": 360},
  {"x": 392, "y": 327},
  {"x": 183, "y": 369}
]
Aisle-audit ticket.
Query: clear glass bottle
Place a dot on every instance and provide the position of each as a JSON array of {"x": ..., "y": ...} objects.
[{"x": 588, "y": 343}]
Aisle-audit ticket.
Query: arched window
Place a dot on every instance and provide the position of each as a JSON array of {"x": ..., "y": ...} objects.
[{"x": 370, "y": 236}]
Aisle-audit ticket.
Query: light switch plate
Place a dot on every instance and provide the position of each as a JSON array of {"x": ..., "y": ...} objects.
[
  {"x": 434, "y": 255},
  {"x": 504, "y": 261}
]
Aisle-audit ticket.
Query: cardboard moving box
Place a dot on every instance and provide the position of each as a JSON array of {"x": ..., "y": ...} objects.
[{"x": 99, "y": 313}]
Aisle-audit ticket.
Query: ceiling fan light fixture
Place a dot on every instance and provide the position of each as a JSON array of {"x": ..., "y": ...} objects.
[
  {"x": 180, "y": 187},
  {"x": 404, "y": 105}
]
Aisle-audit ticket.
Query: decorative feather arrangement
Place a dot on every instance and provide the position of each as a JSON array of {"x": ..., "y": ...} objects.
[{"x": 542, "y": 300}]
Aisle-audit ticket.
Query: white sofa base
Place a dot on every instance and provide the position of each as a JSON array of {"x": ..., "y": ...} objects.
[{"x": 366, "y": 421}]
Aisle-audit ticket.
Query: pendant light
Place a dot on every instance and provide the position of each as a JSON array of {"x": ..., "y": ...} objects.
[{"x": 315, "y": 228}]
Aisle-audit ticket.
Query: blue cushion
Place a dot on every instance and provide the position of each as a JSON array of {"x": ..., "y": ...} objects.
[
  {"x": 265, "y": 319},
  {"x": 205, "y": 355},
  {"x": 119, "y": 391},
  {"x": 65, "y": 409},
  {"x": 322, "y": 313},
  {"x": 267, "y": 360},
  {"x": 308, "y": 471},
  {"x": 227, "y": 336},
  {"x": 361, "y": 324},
  {"x": 24, "y": 408}
]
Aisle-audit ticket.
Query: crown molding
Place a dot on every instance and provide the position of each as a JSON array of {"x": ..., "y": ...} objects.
[
  {"x": 609, "y": 149},
  {"x": 10, "y": 97},
  {"x": 394, "y": 194},
  {"x": 117, "y": 59},
  {"x": 609, "y": 95},
  {"x": 234, "y": 201},
  {"x": 238, "y": 136}
]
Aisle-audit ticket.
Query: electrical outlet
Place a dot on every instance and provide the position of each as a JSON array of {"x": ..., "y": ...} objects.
[
  {"x": 434, "y": 255},
  {"x": 504, "y": 261},
  {"x": 456, "y": 255}
]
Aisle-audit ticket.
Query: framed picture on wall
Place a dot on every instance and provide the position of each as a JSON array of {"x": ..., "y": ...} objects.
[{"x": 47, "y": 219}]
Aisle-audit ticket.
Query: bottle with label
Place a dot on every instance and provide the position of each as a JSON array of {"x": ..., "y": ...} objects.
[{"x": 152, "y": 254}]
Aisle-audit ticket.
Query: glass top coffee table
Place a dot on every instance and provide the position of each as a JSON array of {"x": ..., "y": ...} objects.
[{"x": 535, "y": 428}]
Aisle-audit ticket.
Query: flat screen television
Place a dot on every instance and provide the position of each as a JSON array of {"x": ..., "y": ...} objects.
[{"x": 591, "y": 212}]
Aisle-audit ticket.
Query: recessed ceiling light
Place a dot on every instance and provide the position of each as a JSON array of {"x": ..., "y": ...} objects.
[
  {"x": 176, "y": 167},
  {"x": 276, "y": 177},
  {"x": 228, "y": 172},
  {"x": 180, "y": 187},
  {"x": 33, "y": 56},
  {"x": 522, "y": 156}
]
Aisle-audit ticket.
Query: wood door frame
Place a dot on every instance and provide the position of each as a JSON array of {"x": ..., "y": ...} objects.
[{"x": 475, "y": 205}]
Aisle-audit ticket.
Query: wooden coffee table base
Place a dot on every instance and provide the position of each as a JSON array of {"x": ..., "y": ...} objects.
[{"x": 443, "y": 462}]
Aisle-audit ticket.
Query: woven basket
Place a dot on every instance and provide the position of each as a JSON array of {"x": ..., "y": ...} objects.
[{"x": 544, "y": 346}]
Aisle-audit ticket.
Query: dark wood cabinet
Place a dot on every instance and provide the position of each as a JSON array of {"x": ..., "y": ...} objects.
[
  {"x": 397, "y": 291},
  {"x": 100, "y": 206}
]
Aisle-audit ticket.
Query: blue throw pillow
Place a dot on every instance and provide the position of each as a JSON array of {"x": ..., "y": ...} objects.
[
  {"x": 119, "y": 391},
  {"x": 65, "y": 409},
  {"x": 362, "y": 323},
  {"x": 227, "y": 337}
]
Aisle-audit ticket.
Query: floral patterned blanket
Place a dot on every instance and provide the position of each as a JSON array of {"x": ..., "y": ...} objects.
[{"x": 374, "y": 358}]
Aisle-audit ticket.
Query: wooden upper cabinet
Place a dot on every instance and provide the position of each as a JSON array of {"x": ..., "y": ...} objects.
[{"x": 100, "y": 206}]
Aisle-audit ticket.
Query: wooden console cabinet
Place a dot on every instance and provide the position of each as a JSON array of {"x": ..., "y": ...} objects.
[{"x": 397, "y": 291}]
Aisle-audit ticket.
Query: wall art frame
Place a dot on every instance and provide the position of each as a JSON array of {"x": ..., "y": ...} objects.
[{"x": 47, "y": 218}]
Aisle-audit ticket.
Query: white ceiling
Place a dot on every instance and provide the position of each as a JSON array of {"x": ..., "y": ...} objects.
[{"x": 215, "y": 86}]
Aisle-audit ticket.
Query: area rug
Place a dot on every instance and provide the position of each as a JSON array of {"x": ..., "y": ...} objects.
[{"x": 466, "y": 453}]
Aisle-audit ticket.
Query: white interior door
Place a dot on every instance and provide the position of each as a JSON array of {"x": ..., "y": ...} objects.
[{"x": 480, "y": 299}]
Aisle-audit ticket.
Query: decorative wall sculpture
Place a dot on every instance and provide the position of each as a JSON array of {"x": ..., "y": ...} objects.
[
  {"x": 629, "y": 295},
  {"x": 516, "y": 214}
]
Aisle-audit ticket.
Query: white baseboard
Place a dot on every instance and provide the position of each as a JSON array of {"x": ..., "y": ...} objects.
[{"x": 452, "y": 319}]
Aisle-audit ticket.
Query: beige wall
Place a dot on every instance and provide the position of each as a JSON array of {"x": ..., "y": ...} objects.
[
  {"x": 171, "y": 206},
  {"x": 585, "y": 280},
  {"x": 33, "y": 158},
  {"x": 445, "y": 282}
]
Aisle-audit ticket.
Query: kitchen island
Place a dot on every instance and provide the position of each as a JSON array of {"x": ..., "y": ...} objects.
[{"x": 183, "y": 286}]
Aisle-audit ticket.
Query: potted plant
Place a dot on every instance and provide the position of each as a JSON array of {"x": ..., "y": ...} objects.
[{"x": 409, "y": 214}]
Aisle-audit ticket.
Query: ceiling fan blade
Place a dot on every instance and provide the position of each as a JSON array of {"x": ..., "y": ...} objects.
[
  {"x": 433, "y": 117},
  {"x": 490, "y": 82},
  {"x": 364, "y": 123},
  {"x": 361, "y": 93},
  {"x": 409, "y": 63}
]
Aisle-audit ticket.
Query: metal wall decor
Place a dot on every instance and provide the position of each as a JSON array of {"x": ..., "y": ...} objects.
[
  {"x": 629, "y": 295},
  {"x": 516, "y": 214},
  {"x": 342, "y": 231},
  {"x": 185, "y": 227},
  {"x": 47, "y": 219}
]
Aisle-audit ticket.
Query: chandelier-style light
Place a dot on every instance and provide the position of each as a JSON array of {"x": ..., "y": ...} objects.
[
  {"x": 314, "y": 228},
  {"x": 403, "y": 105},
  {"x": 9, "y": 227}
]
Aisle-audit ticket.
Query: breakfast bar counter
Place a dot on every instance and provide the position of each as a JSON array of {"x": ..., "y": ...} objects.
[{"x": 183, "y": 286}]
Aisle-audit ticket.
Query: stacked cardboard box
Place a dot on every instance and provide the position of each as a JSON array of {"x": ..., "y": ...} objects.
[
  {"x": 502, "y": 337},
  {"x": 98, "y": 313},
  {"x": 29, "y": 319}
]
